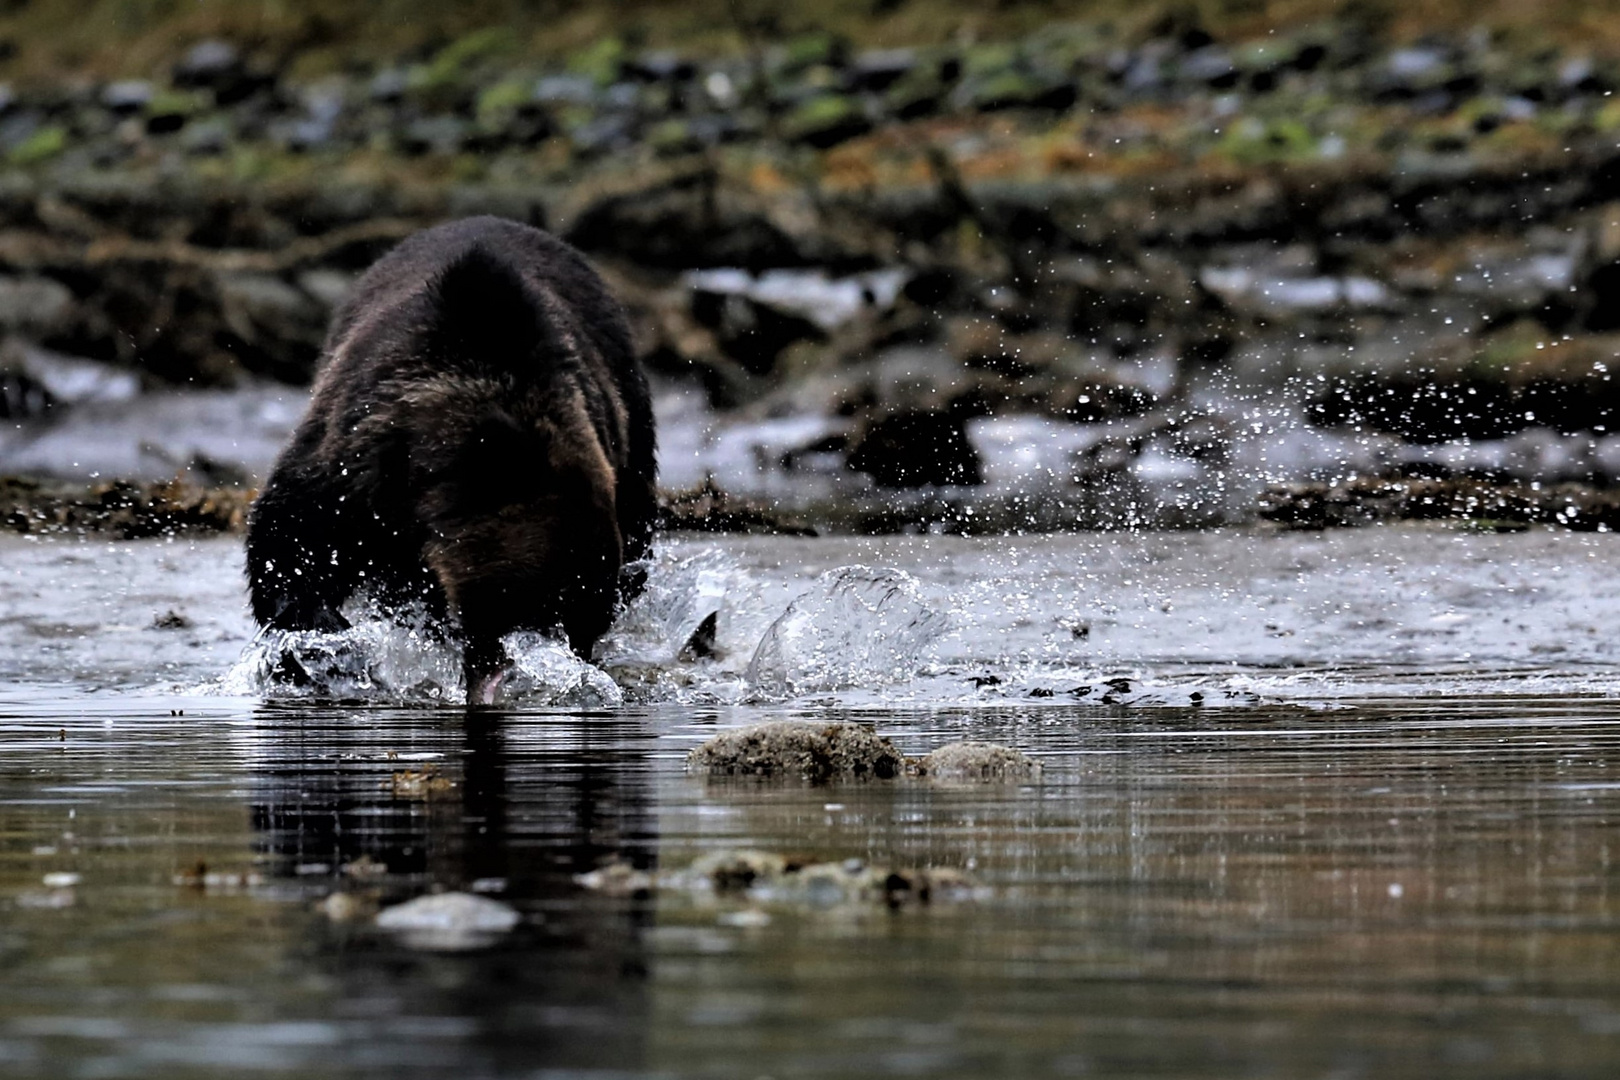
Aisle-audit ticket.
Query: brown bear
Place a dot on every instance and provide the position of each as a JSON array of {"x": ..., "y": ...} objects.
[{"x": 480, "y": 440}]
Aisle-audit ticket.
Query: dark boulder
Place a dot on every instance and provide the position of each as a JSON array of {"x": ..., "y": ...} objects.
[{"x": 917, "y": 449}]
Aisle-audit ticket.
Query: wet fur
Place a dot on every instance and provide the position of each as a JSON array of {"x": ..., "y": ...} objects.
[{"x": 480, "y": 440}]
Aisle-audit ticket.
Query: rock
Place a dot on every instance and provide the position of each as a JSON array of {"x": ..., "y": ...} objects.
[
  {"x": 218, "y": 66},
  {"x": 208, "y": 137},
  {"x": 736, "y": 869},
  {"x": 755, "y": 318},
  {"x": 1248, "y": 292},
  {"x": 825, "y": 121},
  {"x": 266, "y": 312},
  {"x": 22, "y": 397},
  {"x": 816, "y": 752},
  {"x": 34, "y": 305},
  {"x": 68, "y": 380},
  {"x": 1485, "y": 387},
  {"x": 875, "y": 70},
  {"x": 439, "y": 134},
  {"x": 918, "y": 93},
  {"x": 916, "y": 449},
  {"x": 617, "y": 879},
  {"x": 1499, "y": 507},
  {"x": 327, "y": 287},
  {"x": 606, "y": 133},
  {"x": 685, "y": 223},
  {"x": 1211, "y": 64},
  {"x": 346, "y": 907},
  {"x": 660, "y": 66},
  {"x": 389, "y": 85},
  {"x": 817, "y": 48},
  {"x": 566, "y": 90},
  {"x": 207, "y": 63},
  {"x": 829, "y": 303},
  {"x": 1014, "y": 89},
  {"x": 127, "y": 95},
  {"x": 981, "y": 761},
  {"x": 124, "y": 510},
  {"x": 753, "y": 876},
  {"x": 449, "y": 922}
]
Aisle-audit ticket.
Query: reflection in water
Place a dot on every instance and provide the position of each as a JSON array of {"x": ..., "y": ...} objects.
[
  {"x": 567, "y": 990},
  {"x": 1372, "y": 891}
]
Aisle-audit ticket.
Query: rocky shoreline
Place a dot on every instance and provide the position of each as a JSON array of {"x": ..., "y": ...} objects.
[
  {"x": 1082, "y": 279},
  {"x": 126, "y": 510}
]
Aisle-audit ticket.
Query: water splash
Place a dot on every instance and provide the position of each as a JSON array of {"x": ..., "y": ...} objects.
[
  {"x": 547, "y": 674},
  {"x": 858, "y": 626},
  {"x": 376, "y": 657},
  {"x": 858, "y": 629},
  {"x": 680, "y": 594}
]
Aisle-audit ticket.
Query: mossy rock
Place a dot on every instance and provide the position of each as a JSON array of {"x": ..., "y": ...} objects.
[
  {"x": 817, "y": 752},
  {"x": 1251, "y": 141},
  {"x": 602, "y": 60},
  {"x": 811, "y": 50},
  {"x": 44, "y": 144},
  {"x": 980, "y": 762},
  {"x": 496, "y": 103},
  {"x": 1013, "y": 89},
  {"x": 826, "y": 120},
  {"x": 451, "y": 62}
]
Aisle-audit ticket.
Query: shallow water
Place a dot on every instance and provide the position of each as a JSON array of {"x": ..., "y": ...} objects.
[{"x": 1378, "y": 845}]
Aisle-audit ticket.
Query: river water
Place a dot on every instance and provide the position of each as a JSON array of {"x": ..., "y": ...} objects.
[{"x": 1339, "y": 804}]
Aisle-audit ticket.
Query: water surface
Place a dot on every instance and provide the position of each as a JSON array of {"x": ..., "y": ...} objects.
[{"x": 1353, "y": 816}]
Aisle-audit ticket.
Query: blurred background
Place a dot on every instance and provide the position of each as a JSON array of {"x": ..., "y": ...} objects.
[{"x": 892, "y": 264}]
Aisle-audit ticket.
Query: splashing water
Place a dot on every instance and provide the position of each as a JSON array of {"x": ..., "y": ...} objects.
[
  {"x": 858, "y": 626},
  {"x": 397, "y": 658},
  {"x": 546, "y": 673},
  {"x": 680, "y": 594}
]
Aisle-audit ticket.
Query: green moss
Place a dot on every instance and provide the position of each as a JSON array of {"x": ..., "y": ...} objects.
[
  {"x": 450, "y": 62},
  {"x": 670, "y": 136},
  {"x": 505, "y": 97},
  {"x": 824, "y": 120},
  {"x": 808, "y": 50},
  {"x": 42, "y": 145},
  {"x": 600, "y": 61},
  {"x": 1251, "y": 141},
  {"x": 981, "y": 60},
  {"x": 176, "y": 103}
]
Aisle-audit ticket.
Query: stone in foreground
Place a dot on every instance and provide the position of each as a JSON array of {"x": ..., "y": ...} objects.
[
  {"x": 977, "y": 761},
  {"x": 449, "y": 922},
  {"x": 816, "y": 752}
]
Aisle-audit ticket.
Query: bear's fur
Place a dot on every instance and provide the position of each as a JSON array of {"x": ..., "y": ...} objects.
[{"x": 480, "y": 440}]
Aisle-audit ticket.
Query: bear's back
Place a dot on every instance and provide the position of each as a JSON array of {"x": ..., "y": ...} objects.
[{"x": 391, "y": 302}]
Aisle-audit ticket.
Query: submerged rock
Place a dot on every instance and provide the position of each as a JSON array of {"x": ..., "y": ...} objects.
[
  {"x": 977, "y": 761},
  {"x": 837, "y": 751},
  {"x": 766, "y": 877},
  {"x": 449, "y": 922},
  {"x": 818, "y": 752}
]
